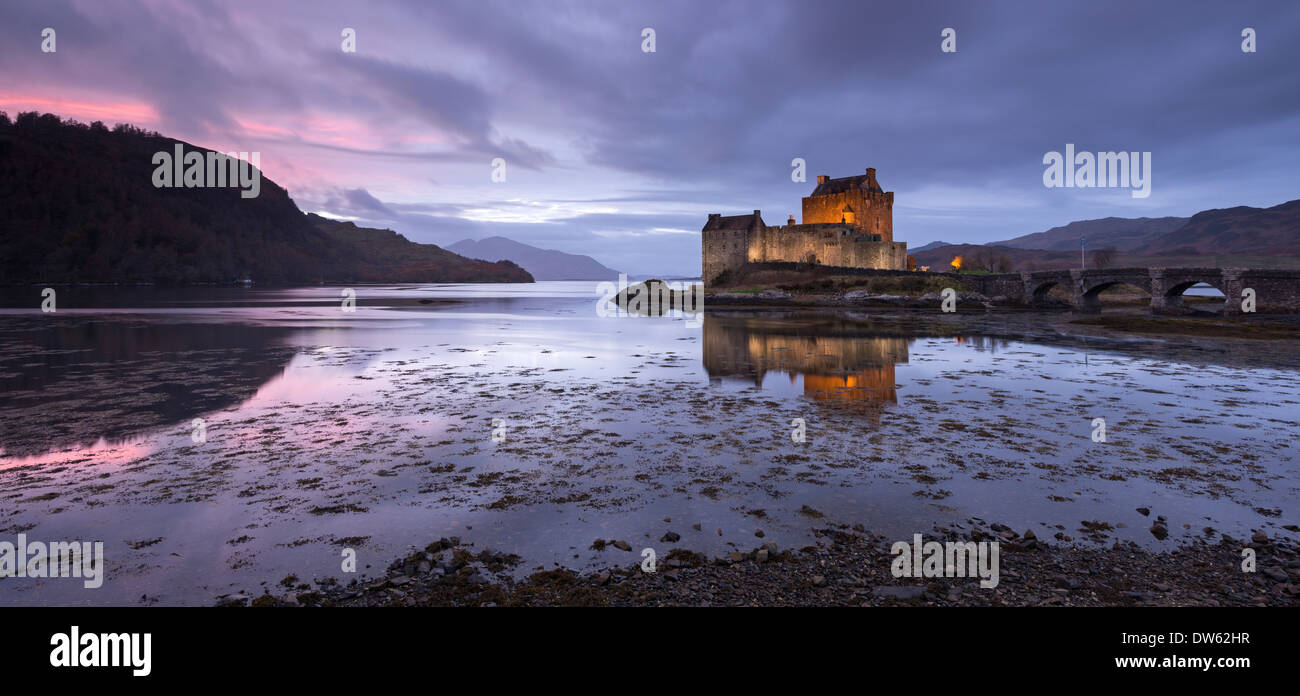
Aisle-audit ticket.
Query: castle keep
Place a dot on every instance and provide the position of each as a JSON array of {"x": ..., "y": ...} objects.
[{"x": 846, "y": 222}]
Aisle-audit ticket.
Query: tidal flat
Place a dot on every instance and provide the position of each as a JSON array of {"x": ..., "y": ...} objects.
[{"x": 517, "y": 420}]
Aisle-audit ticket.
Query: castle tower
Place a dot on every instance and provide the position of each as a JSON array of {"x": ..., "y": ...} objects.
[{"x": 854, "y": 200}]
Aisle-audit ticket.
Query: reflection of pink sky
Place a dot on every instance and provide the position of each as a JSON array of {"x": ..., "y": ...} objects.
[
  {"x": 296, "y": 385},
  {"x": 102, "y": 452}
]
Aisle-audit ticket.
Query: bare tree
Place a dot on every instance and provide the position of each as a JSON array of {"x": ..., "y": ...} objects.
[{"x": 1104, "y": 258}]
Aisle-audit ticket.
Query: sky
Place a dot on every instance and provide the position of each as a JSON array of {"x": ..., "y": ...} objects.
[{"x": 621, "y": 153}]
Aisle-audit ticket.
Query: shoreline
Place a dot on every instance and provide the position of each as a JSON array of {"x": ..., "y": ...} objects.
[{"x": 847, "y": 566}]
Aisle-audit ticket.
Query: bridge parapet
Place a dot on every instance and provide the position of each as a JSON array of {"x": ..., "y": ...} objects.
[{"x": 1276, "y": 291}]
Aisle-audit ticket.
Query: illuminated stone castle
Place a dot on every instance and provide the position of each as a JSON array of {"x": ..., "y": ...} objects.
[{"x": 846, "y": 222}]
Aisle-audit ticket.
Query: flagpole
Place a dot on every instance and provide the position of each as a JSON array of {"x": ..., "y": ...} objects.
[{"x": 1083, "y": 265}]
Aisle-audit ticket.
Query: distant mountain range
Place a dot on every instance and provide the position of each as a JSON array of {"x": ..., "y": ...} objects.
[
  {"x": 543, "y": 264},
  {"x": 927, "y": 247},
  {"x": 1124, "y": 234},
  {"x": 81, "y": 204},
  {"x": 1241, "y": 236}
]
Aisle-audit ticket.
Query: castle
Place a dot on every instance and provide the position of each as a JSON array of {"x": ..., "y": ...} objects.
[{"x": 846, "y": 222}]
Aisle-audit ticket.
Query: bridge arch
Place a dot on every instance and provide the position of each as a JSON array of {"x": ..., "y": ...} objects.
[
  {"x": 1036, "y": 288},
  {"x": 1041, "y": 289},
  {"x": 1174, "y": 289},
  {"x": 1090, "y": 298}
]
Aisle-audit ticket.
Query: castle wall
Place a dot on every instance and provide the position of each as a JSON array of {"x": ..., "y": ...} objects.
[
  {"x": 833, "y": 245},
  {"x": 874, "y": 211},
  {"x": 723, "y": 249}
]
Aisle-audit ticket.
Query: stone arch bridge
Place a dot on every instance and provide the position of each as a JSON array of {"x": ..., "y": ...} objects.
[{"x": 1276, "y": 291}]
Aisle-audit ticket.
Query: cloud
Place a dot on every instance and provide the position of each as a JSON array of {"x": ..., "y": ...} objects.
[{"x": 607, "y": 146}]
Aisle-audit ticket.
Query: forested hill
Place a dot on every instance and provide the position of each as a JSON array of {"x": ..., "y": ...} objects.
[{"x": 78, "y": 204}]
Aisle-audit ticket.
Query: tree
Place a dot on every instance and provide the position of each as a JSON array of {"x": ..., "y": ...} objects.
[{"x": 1104, "y": 258}]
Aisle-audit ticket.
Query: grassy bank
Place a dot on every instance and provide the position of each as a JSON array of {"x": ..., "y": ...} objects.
[{"x": 820, "y": 282}]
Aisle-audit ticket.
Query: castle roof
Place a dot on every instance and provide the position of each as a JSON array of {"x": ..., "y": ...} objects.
[
  {"x": 732, "y": 222},
  {"x": 866, "y": 182}
]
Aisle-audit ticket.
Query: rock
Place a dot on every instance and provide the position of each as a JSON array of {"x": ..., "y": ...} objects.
[
  {"x": 602, "y": 578},
  {"x": 671, "y": 537},
  {"x": 1145, "y": 512},
  {"x": 770, "y": 547},
  {"x": 819, "y": 580},
  {"x": 1276, "y": 574},
  {"x": 1029, "y": 535},
  {"x": 899, "y": 591},
  {"x": 736, "y": 556},
  {"x": 622, "y": 545},
  {"x": 1159, "y": 531},
  {"x": 423, "y": 567},
  {"x": 761, "y": 555},
  {"x": 759, "y": 534},
  {"x": 1259, "y": 537}
]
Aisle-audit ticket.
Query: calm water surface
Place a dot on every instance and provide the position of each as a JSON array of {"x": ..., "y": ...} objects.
[{"x": 373, "y": 430}]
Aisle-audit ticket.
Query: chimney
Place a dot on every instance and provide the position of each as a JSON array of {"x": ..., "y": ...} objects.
[
  {"x": 822, "y": 178},
  {"x": 791, "y": 220},
  {"x": 757, "y": 214},
  {"x": 714, "y": 216},
  {"x": 871, "y": 178}
]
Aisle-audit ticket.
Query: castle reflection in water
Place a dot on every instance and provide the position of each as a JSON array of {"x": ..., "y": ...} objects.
[{"x": 841, "y": 360}]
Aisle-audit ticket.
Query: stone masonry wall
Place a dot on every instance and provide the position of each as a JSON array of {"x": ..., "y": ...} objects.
[
  {"x": 833, "y": 245},
  {"x": 874, "y": 211},
  {"x": 723, "y": 249}
]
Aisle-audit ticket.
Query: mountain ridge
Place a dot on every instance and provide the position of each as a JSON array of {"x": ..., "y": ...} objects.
[
  {"x": 543, "y": 264},
  {"x": 1239, "y": 236},
  {"x": 81, "y": 205}
]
